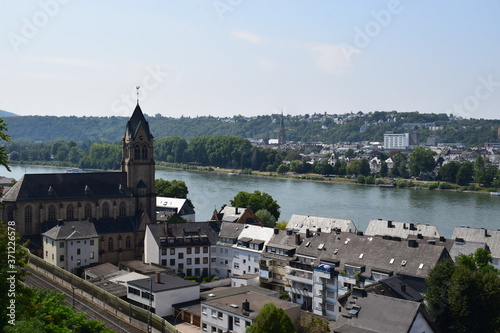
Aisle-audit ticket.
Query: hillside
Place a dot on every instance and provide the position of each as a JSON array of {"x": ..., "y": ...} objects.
[
  {"x": 4, "y": 114},
  {"x": 326, "y": 128}
]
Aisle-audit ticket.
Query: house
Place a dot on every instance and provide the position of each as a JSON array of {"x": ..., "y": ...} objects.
[
  {"x": 391, "y": 228},
  {"x": 161, "y": 292},
  {"x": 185, "y": 247},
  {"x": 224, "y": 254},
  {"x": 301, "y": 223},
  {"x": 236, "y": 312},
  {"x": 461, "y": 246},
  {"x": 118, "y": 203},
  {"x": 235, "y": 215},
  {"x": 71, "y": 245},
  {"x": 369, "y": 312},
  {"x": 167, "y": 207},
  {"x": 481, "y": 235},
  {"x": 375, "y": 165}
]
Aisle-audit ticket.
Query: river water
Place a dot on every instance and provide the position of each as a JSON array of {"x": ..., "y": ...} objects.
[{"x": 210, "y": 191}]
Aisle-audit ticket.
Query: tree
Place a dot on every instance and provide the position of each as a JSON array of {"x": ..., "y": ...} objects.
[
  {"x": 266, "y": 218},
  {"x": 282, "y": 169},
  {"x": 257, "y": 201},
  {"x": 4, "y": 157},
  {"x": 171, "y": 189},
  {"x": 271, "y": 319},
  {"x": 457, "y": 293},
  {"x": 281, "y": 225},
  {"x": 465, "y": 173},
  {"x": 421, "y": 161},
  {"x": 448, "y": 172},
  {"x": 313, "y": 324},
  {"x": 359, "y": 167}
]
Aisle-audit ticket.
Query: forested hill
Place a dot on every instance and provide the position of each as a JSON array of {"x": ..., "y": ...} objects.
[{"x": 327, "y": 128}]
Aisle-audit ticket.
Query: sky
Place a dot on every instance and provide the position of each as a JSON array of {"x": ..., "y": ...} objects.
[{"x": 249, "y": 57}]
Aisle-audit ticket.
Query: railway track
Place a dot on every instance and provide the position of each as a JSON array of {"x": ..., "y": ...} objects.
[{"x": 82, "y": 305}]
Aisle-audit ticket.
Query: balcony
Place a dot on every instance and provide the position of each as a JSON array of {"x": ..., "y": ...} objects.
[
  {"x": 302, "y": 266},
  {"x": 300, "y": 291},
  {"x": 324, "y": 271},
  {"x": 298, "y": 276}
]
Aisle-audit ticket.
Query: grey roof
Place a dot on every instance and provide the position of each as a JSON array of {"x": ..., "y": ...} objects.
[
  {"x": 69, "y": 186},
  {"x": 136, "y": 122},
  {"x": 488, "y": 236},
  {"x": 182, "y": 229},
  {"x": 458, "y": 248},
  {"x": 373, "y": 253},
  {"x": 395, "y": 286},
  {"x": 72, "y": 230},
  {"x": 400, "y": 229},
  {"x": 121, "y": 224},
  {"x": 103, "y": 270},
  {"x": 397, "y": 316},
  {"x": 299, "y": 223},
  {"x": 230, "y": 230},
  {"x": 167, "y": 282}
]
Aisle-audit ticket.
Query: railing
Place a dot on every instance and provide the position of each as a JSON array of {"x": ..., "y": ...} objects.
[
  {"x": 103, "y": 298},
  {"x": 302, "y": 266}
]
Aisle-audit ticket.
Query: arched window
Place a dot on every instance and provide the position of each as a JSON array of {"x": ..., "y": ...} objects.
[
  {"x": 28, "y": 220},
  {"x": 52, "y": 213},
  {"x": 137, "y": 152},
  {"x": 105, "y": 209},
  {"x": 123, "y": 209},
  {"x": 144, "y": 152},
  {"x": 111, "y": 244},
  {"x": 128, "y": 243},
  {"x": 70, "y": 212},
  {"x": 87, "y": 211}
]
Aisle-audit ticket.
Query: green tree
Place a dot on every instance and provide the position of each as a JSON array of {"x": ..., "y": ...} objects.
[
  {"x": 359, "y": 167},
  {"x": 267, "y": 219},
  {"x": 448, "y": 172},
  {"x": 312, "y": 324},
  {"x": 4, "y": 157},
  {"x": 257, "y": 201},
  {"x": 465, "y": 173},
  {"x": 282, "y": 169},
  {"x": 479, "y": 169},
  {"x": 271, "y": 319},
  {"x": 281, "y": 225},
  {"x": 457, "y": 293},
  {"x": 384, "y": 169},
  {"x": 421, "y": 161},
  {"x": 171, "y": 189}
]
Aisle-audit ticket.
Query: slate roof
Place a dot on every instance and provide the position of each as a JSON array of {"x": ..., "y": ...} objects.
[
  {"x": 489, "y": 236},
  {"x": 299, "y": 223},
  {"x": 400, "y": 229},
  {"x": 135, "y": 122},
  {"x": 167, "y": 282},
  {"x": 254, "y": 233},
  {"x": 186, "y": 229},
  {"x": 69, "y": 186},
  {"x": 395, "y": 286},
  {"x": 230, "y": 230},
  {"x": 72, "y": 230},
  {"x": 465, "y": 247},
  {"x": 373, "y": 253},
  {"x": 397, "y": 316},
  {"x": 121, "y": 224}
]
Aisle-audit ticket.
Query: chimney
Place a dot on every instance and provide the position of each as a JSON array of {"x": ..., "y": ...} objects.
[
  {"x": 289, "y": 232},
  {"x": 403, "y": 287},
  {"x": 359, "y": 292},
  {"x": 236, "y": 211},
  {"x": 245, "y": 306},
  {"x": 276, "y": 231},
  {"x": 420, "y": 236},
  {"x": 297, "y": 239},
  {"x": 157, "y": 277},
  {"x": 319, "y": 230},
  {"x": 412, "y": 226},
  {"x": 442, "y": 239},
  {"x": 412, "y": 243},
  {"x": 389, "y": 224},
  {"x": 308, "y": 233}
]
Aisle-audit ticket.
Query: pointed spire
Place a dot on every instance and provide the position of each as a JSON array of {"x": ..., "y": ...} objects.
[{"x": 137, "y": 87}]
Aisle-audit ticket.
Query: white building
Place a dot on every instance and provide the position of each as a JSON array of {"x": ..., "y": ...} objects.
[
  {"x": 224, "y": 254},
  {"x": 480, "y": 235},
  {"x": 396, "y": 141},
  {"x": 161, "y": 292},
  {"x": 166, "y": 207},
  {"x": 248, "y": 248},
  {"x": 71, "y": 245}
]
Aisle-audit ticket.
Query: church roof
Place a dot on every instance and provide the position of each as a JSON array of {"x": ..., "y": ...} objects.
[
  {"x": 136, "y": 122},
  {"x": 69, "y": 186}
]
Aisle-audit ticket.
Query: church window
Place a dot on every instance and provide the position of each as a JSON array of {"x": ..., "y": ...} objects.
[
  {"x": 144, "y": 152},
  {"x": 128, "y": 243},
  {"x": 88, "y": 211},
  {"x": 123, "y": 209},
  {"x": 52, "y": 213},
  {"x": 28, "y": 219},
  {"x": 70, "y": 212},
  {"x": 105, "y": 209},
  {"x": 111, "y": 244},
  {"x": 137, "y": 152}
]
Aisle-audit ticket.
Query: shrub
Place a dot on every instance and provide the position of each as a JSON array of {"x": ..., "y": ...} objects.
[
  {"x": 433, "y": 186},
  {"x": 370, "y": 180},
  {"x": 445, "y": 186},
  {"x": 361, "y": 179}
]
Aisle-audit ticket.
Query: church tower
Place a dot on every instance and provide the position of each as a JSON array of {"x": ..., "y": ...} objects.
[
  {"x": 282, "y": 134},
  {"x": 138, "y": 162}
]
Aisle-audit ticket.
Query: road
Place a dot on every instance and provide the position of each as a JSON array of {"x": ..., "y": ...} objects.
[{"x": 83, "y": 305}]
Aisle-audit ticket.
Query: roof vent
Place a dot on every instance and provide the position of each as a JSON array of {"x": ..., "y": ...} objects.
[
  {"x": 335, "y": 251},
  {"x": 233, "y": 306},
  {"x": 391, "y": 261},
  {"x": 321, "y": 246},
  {"x": 403, "y": 263},
  {"x": 421, "y": 266},
  {"x": 361, "y": 256}
]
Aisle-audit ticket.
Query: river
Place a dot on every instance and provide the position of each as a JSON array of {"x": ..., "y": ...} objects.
[{"x": 210, "y": 191}]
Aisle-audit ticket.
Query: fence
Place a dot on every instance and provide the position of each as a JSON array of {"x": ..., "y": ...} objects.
[{"x": 134, "y": 314}]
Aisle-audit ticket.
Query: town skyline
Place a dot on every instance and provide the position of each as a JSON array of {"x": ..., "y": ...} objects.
[{"x": 223, "y": 58}]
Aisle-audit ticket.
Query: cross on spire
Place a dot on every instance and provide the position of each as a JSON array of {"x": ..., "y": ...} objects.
[{"x": 137, "y": 87}]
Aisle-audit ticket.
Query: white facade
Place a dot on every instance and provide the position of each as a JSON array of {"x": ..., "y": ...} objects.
[
  {"x": 396, "y": 141},
  {"x": 223, "y": 255},
  {"x": 248, "y": 249},
  {"x": 219, "y": 321}
]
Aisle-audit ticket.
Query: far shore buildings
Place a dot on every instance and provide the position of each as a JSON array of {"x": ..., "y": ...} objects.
[{"x": 119, "y": 204}]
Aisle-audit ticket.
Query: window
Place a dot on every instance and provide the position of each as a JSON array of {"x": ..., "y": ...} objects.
[
  {"x": 52, "y": 212},
  {"x": 105, "y": 209},
  {"x": 189, "y": 261},
  {"x": 78, "y": 262},
  {"x": 78, "y": 251},
  {"x": 172, "y": 262},
  {"x": 204, "y": 326},
  {"x": 144, "y": 152},
  {"x": 197, "y": 272},
  {"x": 137, "y": 152},
  {"x": 236, "y": 255},
  {"x": 28, "y": 220},
  {"x": 205, "y": 249},
  {"x": 189, "y": 272},
  {"x": 70, "y": 212},
  {"x": 164, "y": 262},
  {"x": 61, "y": 257},
  {"x": 172, "y": 251},
  {"x": 92, "y": 255},
  {"x": 214, "y": 260},
  {"x": 91, "y": 242},
  {"x": 163, "y": 252},
  {"x": 147, "y": 295},
  {"x": 214, "y": 313},
  {"x": 205, "y": 260},
  {"x": 110, "y": 244},
  {"x": 122, "y": 209},
  {"x": 236, "y": 265},
  {"x": 196, "y": 261},
  {"x": 87, "y": 211},
  {"x": 220, "y": 315},
  {"x": 188, "y": 250},
  {"x": 196, "y": 250},
  {"x": 52, "y": 256},
  {"x": 134, "y": 291},
  {"x": 128, "y": 242},
  {"x": 352, "y": 270},
  {"x": 180, "y": 255},
  {"x": 61, "y": 244}
]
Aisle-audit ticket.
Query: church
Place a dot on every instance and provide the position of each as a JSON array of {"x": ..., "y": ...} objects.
[{"x": 118, "y": 204}]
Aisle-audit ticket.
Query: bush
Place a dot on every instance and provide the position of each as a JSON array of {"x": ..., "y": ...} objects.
[
  {"x": 370, "y": 180},
  {"x": 433, "y": 186},
  {"x": 446, "y": 186},
  {"x": 361, "y": 179},
  {"x": 379, "y": 182},
  {"x": 247, "y": 171}
]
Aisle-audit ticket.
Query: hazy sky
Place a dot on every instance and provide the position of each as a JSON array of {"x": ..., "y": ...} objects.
[{"x": 249, "y": 57}]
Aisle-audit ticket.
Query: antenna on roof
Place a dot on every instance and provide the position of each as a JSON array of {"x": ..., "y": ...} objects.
[{"x": 137, "y": 87}]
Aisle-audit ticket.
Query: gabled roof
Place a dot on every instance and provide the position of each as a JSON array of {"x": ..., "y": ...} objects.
[
  {"x": 253, "y": 233},
  {"x": 395, "y": 286},
  {"x": 465, "y": 247},
  {"x": 182, "y": 230},
  {"x": 178, "y": 204},
  {"x": 69, "y": 186},
  {"x": 489, "y": 236},
  {"x": 230, "y": 230},
  {"x": 299, "y": 223},
  {"x": 400, "y": 229},
  {"x": 72, "y": 230},
  {"x": 136, "y": 122}
]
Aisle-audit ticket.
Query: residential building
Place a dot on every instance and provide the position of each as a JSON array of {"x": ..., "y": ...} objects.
[
  {"x": 185, "y": 247},
  {"x": 71, "y": 245},
  {"x": 481, "y": 235},
  {"x": 224, "y": 254},
  {"x": 236, "y": 312},
  {"x": 167, "y": 207},
  {"x": 160, "y": 292},
  {"x": 396, "y": 141},
  {"x": 248, "y": 248},
  {"x": 235, "y": 215},
  {"x": 391, "y": 228},
  {"x": 301, "y": 223}
]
